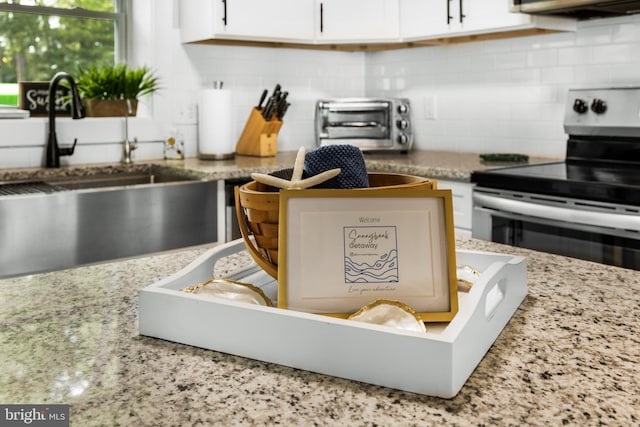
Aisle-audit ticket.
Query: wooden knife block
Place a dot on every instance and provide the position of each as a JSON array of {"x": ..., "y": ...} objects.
[{"x": 259, "y": 137}]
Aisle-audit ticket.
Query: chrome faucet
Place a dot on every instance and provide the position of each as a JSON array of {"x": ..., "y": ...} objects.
[
  {"x": 128, "y": 146},
  {"x": 53, "y": 151}
]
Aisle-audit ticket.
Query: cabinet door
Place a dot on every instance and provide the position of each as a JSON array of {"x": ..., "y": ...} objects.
[
  {"x": 446, "y": 18},
  {"x": 438, "y": 18},
  {"x": 274, "y": 20},
  {"x": 357, "y": 20},
  {"x": 462, "y": 203},
  {"x": 494, "y": 15},
  {"x": 474, "y": 15},
  {"x": 420, "y": 18}
]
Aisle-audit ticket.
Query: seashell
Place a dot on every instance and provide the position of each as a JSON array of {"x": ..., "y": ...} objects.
[
  {"x": 467, "y": 276},
  {"x": 231, "y": 290},
  {"x": 390, "y": 313}
]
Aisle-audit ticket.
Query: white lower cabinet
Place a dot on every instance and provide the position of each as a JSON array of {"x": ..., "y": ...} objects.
[{"x": 462, "y": 205}]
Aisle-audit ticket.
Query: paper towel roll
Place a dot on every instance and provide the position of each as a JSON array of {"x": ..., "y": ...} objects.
[{"x": 214, "y": 124}]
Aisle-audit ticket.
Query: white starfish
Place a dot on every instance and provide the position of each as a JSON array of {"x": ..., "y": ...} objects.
[{"x": 296, "y": 183}]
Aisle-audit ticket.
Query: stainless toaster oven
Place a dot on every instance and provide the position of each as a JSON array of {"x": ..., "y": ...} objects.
[{"x": 369, "y": 123}]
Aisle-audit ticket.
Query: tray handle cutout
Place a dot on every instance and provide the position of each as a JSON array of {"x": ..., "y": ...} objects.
[{"x": 493, "y": 299}]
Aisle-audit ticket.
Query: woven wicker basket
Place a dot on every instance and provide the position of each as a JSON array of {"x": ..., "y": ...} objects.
[{"x": 257, "y": 208}]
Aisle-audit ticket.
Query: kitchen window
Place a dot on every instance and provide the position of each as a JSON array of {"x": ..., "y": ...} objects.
[{"x": 39, "y": 38}]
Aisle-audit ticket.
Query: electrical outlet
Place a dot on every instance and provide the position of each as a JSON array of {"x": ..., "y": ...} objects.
[
  {"x": 430, "y": 107},
  {"x": 188, "y": 114}
]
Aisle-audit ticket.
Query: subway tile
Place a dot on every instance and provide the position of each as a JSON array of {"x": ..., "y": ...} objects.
[
  {"x": 497, "y": 77},
  {"x": 626, "y": 32},
  {"x": 594, "y": 35},
  {"x": 557, "y": 75},
  {"x": 526, "y": 76},
  {"x": 482, "y": 62},
  {"x": 614, "y": 53},
  {"x": 593, "y": 74},
  {"x": 494, "y": 46},
  {"x": 575, "y": 55},
  {"x": 511, "y": 60},
  {"x": 399, "y": 83},
  {"x": 542, "y": 58},
  {"x": 559, "y": 40},
  {"x": 535, "y": 111},
  {"x": 625, "y": 74}
]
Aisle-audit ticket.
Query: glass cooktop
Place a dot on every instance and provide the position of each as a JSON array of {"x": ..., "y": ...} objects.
[
  {"x": 597, "y": 168},
  {"x": 606, "y": 182}
]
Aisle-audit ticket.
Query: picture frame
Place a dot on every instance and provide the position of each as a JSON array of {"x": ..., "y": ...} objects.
[
  {"x": 339, "y": 250},
  {"x": 34, "y": 97}
]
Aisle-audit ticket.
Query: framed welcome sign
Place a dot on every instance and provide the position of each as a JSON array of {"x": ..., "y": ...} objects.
[{"x": 339, "y": 250}]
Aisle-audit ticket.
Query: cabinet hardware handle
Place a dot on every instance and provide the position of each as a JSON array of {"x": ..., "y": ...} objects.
[
  {"x": 449, "y": 17},
  {"x": 224, "y": 14},
  {"x": 462, "y": 15},
  {"x": 321, "y": 17}
]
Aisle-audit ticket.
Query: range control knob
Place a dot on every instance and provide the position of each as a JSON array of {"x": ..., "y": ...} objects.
[
  {"x": 598, "y": 106},
  {"x": 402, "y": 124},
  {"x": 403, "y": 108},
  {"x": 580, "y": 106},
  {"x": 403, "y": 139}
]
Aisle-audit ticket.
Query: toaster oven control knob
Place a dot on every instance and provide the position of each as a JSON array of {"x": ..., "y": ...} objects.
[
  {"x": 402, "y": 124},
  {"x": 580, "y": 106},
  {"x": 403, "y": 139},
  {"x": 403, "y": 108},
  {"x": 598, "y": 106}
]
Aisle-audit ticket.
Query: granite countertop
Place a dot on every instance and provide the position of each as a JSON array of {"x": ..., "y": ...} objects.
[
  {"x": 569, "y": 355},
  {"x": 433, "y": 164}
]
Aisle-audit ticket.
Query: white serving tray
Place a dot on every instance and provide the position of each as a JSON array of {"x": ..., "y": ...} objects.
[{"x": 437, "y": 363}]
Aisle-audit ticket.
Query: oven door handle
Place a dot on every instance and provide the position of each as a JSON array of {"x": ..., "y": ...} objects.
[
  {"x": 533, "y": 210},
  {"x": 355, "y": 124}
]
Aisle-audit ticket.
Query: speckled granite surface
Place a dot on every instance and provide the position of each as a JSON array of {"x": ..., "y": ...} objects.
[
  {"x": 569, "y": 356},
  {"x": 434, "y": 164}
]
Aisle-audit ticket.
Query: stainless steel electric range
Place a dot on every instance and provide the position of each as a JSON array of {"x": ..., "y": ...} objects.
[{"x": 587, "y": 206}]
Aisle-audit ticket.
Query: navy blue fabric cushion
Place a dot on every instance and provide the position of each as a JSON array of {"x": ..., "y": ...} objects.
[
  {"x": 348, "y": 158},
  {"x": 287, "y": 174}
]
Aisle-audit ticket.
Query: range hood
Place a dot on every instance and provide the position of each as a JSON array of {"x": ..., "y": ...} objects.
[{"x": 581, "y": 9}]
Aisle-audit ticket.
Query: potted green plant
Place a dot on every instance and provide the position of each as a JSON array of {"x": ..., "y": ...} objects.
[{"x": 106, "y": 89}]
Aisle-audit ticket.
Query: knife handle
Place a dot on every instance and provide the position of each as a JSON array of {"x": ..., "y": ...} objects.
[
  {"x": 262, "y": 98},
  {"x": 284, "y": 110}
]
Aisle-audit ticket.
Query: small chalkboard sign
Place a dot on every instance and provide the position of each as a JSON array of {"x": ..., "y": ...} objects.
[{"x": 34, "y": 97}]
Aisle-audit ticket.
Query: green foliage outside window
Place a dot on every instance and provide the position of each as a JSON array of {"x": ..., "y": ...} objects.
[{"x": 35, "y": 46}]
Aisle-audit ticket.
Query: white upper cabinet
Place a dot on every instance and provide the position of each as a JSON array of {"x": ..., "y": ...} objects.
[
  {"x": 257, "y": 20},
  {"x": 308, "y": 22},
  {"x": 357, "y": 21},
  {"x": 419, "y": 18},
  {"x": 424, "y": 19}
]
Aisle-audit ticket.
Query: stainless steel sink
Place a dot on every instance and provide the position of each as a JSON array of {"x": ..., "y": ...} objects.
[
  {"x": 121, "y": 179},
  {"x": 70, "y": 221},
  {"x": 103, "y": 178}
]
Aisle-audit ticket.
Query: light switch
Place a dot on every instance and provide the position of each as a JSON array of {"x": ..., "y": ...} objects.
[{"x": 430, "y": 107}]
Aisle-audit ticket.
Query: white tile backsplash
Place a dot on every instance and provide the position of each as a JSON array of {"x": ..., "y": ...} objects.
[
  {"x": 575, "y": 55},
  {"x": 594, "y": 35},
  {"x": 542, "y": 58},
  {"x": 492, "y": 95},
  {"x": 554, "y": 75},
  {"x": 517, "y": 104},
  {"x": 615, "y": 53}
]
